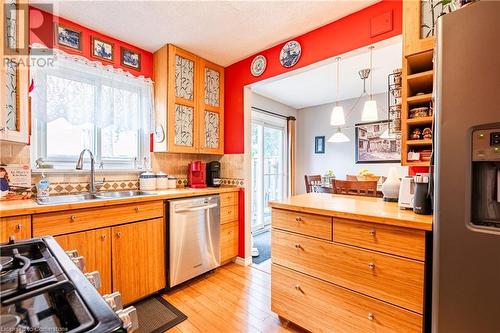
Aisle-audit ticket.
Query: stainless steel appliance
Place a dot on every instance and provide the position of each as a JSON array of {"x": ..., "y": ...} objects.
[
  {"x": 194, "y": 237},
  {"x": 466, "y": 233},
  {"x": 42, "y": 289}
]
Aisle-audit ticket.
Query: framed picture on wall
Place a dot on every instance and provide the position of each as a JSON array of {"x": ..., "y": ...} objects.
[
  {"x": 68, "y": 37},
  {"x": 319, "y": 145},
  {"x": 130, "y": 59},
  {"x": 102, "y": 50},
  {"x": 373, "y": 143}
]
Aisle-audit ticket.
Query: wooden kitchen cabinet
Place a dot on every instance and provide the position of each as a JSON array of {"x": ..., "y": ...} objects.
[
  {"x": 189, "y": 103},
  {"x": 138, "y": 258},
  {"x": 228, "y": 241},
  {"x": 95, "y": 246},
  {"x": 16, "y": 227}
]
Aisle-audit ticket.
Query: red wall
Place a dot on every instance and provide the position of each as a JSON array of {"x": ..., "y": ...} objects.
[
  {"x": 42, "y": 31},
  {"x": 346, "y": 34}
]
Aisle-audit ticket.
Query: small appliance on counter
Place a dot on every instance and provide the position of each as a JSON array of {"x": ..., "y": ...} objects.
[
  {"x": 422, "y": 203},
  {"x": 213, "y": 174},
  {"x": 44, "y": 289},
  {"x": 406, "y": 193},
  {"x": 391, "y": 186},
  {"x": 196, "y": 174}
]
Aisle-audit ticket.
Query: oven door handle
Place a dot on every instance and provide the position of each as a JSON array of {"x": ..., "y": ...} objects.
[{"x": 196, "y": 208}]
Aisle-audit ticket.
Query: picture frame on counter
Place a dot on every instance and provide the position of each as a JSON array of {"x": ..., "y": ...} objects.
[
  {"x": 67, "y": 37},
  {"x": 373, "y": 144},
  {"x": 319, "y": 145},
  {"x": 102, "y": 50},
  {"x": 130, "y": 59}
]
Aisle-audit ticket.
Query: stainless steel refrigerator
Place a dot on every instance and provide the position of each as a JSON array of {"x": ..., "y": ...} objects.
[{"x": 466, "y": 236}]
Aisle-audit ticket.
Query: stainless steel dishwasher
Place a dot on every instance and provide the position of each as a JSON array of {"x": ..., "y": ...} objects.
[{"x": 194, "y": 237}]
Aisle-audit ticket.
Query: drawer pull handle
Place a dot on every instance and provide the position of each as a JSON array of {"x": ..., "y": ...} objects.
[
  {"x": 371, "y": 316},
  {"x": 371, "y": 265},
  {"x": 298, "y": 246},
  {"x": 19, "y": 226},
  {"x": 103, "y": 237},
  {"x": 119, "y": 234},
  {"x": 298, "y": 219},
  {"x": 373, "y": 232},
  {"x": 73, "y": 218},
  {"x": 298, "y": 288},
  {"x": 137, "y": 209}
]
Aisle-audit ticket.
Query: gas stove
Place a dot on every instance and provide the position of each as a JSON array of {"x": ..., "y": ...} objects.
[{"x": 42, "y": 289}]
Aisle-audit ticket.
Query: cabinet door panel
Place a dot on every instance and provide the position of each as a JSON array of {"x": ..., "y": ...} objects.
[
  {"x": 184, "y": 125},
  {"x": 95, "y": 246},
  {"x": 184, "y": 78},
  {"x": 17, "y": 227},
  {"x": 138, "y": 259}
]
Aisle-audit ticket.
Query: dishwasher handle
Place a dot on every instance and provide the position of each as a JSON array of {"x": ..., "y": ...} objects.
[{"x": 196, "y": 208}]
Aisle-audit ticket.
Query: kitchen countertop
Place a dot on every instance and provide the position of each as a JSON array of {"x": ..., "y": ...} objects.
[
  {"x": 355, "y": 207},
  {"x": 26, "y": 207}
]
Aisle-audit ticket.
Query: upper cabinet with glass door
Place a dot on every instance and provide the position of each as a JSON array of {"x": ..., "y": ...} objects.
[
  {"x": 14, "y": 118},
  {"x": 189, "y": 103}
]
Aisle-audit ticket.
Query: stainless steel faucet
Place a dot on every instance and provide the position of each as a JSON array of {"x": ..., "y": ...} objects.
[{"x": 79, "y": 166}]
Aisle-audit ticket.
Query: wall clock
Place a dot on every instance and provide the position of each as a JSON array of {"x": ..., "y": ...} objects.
[
  {"x": 159, "y": 134},
  {"x": 258, "y": 65},
  {"x": 290, "y": 53}
]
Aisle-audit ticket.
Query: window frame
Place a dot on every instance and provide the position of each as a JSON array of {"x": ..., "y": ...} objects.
[{"x": 65, "y": 162}]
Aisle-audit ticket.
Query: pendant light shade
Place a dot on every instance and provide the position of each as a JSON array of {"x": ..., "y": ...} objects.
[
  {"x": 338, "y": 137},
  {"x": 337, "y": 117},
  {"x": 370, "y": 109}
]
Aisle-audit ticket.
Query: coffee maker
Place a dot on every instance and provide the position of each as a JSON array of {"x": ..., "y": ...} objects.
[
  {"x": 213, "y": 174},
  {"x": 196, "y": 174}
]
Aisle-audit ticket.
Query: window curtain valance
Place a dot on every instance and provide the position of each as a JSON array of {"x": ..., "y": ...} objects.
[{"x": 87, "y": 92}]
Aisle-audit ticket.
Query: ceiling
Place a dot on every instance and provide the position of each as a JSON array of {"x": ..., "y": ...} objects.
[
  {"x": 223, "y": 32},
  {"x": 316, "y": 84}
]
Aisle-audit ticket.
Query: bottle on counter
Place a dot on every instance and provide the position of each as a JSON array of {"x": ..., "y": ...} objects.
[{"x": 42, "y": 187}]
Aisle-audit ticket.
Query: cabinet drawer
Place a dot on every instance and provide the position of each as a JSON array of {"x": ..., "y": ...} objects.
[
  {"x": 228, "y": 214},
  {"x": 228, "y": 241},
  {"x": 320, "y": 306},
  {"x": 303, "y": 223},
  {"x": 59, "y": 223},
  {"x": 395, "y": 280},
  {"x": 228, "y": 199},
  {"x": 395, "y": 240},
  {"x": 17, "y": 227}
]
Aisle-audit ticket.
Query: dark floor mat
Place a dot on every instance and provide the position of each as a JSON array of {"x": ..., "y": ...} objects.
[
  {"x": 156, "y": 315},
  {"x": 263, "y": 243}
]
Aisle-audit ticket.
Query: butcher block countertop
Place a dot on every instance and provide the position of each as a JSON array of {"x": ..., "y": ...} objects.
[
  {"x": 355, "y": 207},
  {"x": 27, "y": 207}
]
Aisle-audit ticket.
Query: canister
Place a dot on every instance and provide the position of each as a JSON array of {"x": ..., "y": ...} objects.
[
  {"x": 161, "y": 181},
  {"x": 147, "y": 181}
]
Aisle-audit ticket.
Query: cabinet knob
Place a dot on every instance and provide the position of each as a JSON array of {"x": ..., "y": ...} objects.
[
  {"x": 103, "y": 237},
  {"x": 371, "y": 265},
  {"x": 298, "y": 288},
  {"x": 73, "y": 218},
  {"x": 298, "y": 246},
  {"x": 371, "y": 316},
  {"x": 373, "y": 232},
  {"x": 137, "y": 209},
  {"x": 19, "y": 226},
  {"x": 298, "y": 219},
  {"x": 119, "y": 234}
]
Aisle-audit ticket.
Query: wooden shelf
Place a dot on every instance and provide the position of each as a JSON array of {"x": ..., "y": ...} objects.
[
  {"x": 424, "y": 142},
  {"x": 421, "y": 80},
  {"x": 420, "y": 62},
  {"x": 419, "y": 121},
  {"x": 419, "y": 99},
  {"x": 417, "y": 163}
]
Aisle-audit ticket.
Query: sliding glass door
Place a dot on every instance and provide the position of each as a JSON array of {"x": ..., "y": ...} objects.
[{"x": 268, "y": 168}]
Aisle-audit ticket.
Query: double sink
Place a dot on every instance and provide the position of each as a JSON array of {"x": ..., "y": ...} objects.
[{"x": 60, "y": 199}]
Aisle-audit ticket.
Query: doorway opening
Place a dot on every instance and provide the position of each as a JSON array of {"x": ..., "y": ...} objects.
[{"x": 269, "y": 177}]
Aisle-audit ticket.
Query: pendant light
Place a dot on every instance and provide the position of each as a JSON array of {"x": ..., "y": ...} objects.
[
  {"x": 370, "y": 109},
  {"x": 337, "y": 117},
  {"x": 338, "y": 137}
]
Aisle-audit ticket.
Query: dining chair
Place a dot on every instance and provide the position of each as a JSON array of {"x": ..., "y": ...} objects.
[
  {"x": 310, "y": 180},
  {"x": 361, "y": 188}
]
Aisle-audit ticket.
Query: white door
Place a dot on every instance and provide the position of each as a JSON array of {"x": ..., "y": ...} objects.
[{"x": 268, "y": 166}]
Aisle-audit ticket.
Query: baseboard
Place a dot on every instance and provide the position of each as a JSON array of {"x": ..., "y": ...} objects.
[{"x": 243, "y": 261}]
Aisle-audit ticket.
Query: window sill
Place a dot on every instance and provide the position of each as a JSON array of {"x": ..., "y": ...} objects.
[{"x": 85, "y": 171}]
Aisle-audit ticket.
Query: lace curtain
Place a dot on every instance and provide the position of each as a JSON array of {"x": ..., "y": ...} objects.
[{"x": 87, "y": 92}]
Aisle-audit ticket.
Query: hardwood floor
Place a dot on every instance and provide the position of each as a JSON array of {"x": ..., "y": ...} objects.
[{"x": 234, "y": 298}]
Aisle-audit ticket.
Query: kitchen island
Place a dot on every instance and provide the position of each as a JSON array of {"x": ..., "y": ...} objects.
[{"x": 349, "y": 264}]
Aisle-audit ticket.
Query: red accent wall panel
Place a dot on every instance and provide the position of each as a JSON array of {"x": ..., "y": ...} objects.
[
  {"x": 42, "y": 31},
  {"x": 344, "y": 35}
]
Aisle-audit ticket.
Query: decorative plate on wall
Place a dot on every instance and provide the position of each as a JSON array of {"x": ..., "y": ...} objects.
[
  {"x": 258, "y": 65},
  {"x": 290, "y": 53}
]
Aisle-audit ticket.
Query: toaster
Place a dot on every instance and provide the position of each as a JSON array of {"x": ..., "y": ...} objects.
[{"x": 406, "y": 193}]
